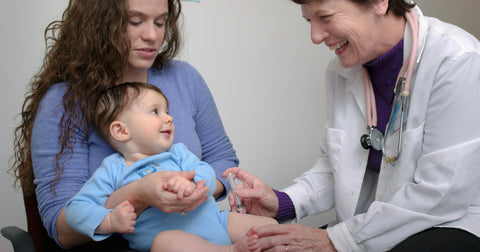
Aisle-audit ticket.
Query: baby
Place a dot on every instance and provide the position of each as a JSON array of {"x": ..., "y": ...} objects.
[{"x": 134, "y": 120}]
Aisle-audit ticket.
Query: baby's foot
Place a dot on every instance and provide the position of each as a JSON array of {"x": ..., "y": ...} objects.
[{"x": 248, "y": 243}]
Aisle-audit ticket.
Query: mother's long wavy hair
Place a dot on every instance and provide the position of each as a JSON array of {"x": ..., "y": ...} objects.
[{"x": 88, "y": 48}]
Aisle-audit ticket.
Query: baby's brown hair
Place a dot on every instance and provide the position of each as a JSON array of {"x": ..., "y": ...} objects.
[{"x": 113, "y": 101}]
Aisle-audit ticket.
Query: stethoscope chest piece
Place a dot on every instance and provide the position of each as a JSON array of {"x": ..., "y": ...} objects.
[{"x": 374, "y": 139}]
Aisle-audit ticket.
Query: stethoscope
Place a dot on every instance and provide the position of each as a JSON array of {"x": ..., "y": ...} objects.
[{"x": 374, "y": 137}]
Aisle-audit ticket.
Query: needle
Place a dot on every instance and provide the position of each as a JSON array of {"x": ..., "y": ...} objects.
[{"x": 231, "y": 180}]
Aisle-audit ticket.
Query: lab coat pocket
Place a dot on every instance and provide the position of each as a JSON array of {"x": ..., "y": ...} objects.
[
  {"x": 411, "y": 146},
  {"x": 394, "y": 177},
  {"x": 335, "y": 139}
]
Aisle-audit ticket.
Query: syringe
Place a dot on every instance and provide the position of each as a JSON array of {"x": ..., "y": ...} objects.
[{"x": 231, "y": 180}]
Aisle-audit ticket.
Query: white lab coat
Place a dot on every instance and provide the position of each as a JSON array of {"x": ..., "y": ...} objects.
[{"x": 436, "y": 181}]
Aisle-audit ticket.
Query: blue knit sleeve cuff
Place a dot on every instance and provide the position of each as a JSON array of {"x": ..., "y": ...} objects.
[{"x": 286, "y": 210}]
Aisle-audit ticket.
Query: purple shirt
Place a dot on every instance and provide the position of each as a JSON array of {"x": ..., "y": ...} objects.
[{"x": 383, "y": 73}]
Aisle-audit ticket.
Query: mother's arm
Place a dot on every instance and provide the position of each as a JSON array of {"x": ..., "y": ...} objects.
[{"x": 66, "y": 236}]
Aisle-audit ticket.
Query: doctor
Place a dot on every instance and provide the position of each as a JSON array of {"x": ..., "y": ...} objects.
[{"x": 422, "y": 194}]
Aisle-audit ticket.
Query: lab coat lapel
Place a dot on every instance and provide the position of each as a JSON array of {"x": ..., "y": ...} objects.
[{"x": 354, "y": 85}]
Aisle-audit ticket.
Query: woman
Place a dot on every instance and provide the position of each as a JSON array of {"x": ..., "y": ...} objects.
[
  {"x": 97, "y": 44},
  {"x": 423, "y": 196}
]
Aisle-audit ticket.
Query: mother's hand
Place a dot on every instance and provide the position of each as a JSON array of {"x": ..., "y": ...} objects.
[
  {"x": 157, "y": 195},
  {"x": 150, "y": 191},
  {"x": 293, "y": 237},
  {"x": 256, "y": 196}
]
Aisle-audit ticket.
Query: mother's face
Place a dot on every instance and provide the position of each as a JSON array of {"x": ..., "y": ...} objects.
[
  {"x": 347, "y": 28},
  {"x": 146, "y": 31}
]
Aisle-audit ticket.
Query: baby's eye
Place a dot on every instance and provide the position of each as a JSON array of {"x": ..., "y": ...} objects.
[{"x": 155, "y": 111}]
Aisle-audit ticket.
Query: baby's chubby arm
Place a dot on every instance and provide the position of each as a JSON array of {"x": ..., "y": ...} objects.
[
  {"x": 120, "y": 220},
  {"x": 180, "y": 185}
]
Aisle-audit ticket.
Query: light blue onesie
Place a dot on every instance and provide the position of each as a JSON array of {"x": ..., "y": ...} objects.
[{"x": 86, "y": 210}]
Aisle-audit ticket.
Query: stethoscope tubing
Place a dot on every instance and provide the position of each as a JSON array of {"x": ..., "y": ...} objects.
[{"x": 404, "y": 77}]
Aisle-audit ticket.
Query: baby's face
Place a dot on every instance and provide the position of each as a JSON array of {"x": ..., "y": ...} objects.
[{"x": 149, "y": 124}]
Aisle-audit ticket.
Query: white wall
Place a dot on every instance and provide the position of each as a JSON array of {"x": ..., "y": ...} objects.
[
  {"x": 21, "y": 27},
  {"x": 257, "y": 58},
  {"x": 464, "y": 13}
]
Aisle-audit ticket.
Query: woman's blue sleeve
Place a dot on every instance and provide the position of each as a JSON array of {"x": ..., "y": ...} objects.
[{"x": 44, "y": 147}]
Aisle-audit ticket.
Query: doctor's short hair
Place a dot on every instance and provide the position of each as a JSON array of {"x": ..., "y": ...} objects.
[
  {"x": 398, "y": 7},
  {"x": 115, "y": 100}
]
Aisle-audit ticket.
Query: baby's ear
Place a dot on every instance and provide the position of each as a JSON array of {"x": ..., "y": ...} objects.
[{"x": 119, "y": 131}]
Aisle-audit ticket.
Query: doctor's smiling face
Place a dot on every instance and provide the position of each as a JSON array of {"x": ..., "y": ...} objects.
[{"x": 347, "y": 28}]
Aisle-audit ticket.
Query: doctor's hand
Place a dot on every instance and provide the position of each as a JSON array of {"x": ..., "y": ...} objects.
[
  {"x": 293, "y": 237},
  {"x": 256, "y": 196}
]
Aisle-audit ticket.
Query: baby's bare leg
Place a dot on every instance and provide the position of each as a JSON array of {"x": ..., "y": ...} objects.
[
  {"x": 177, "y": 240},
  {"x": 240, "y": 224}
]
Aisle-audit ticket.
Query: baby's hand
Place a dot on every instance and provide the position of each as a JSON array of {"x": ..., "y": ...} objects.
[
  {"x": 180, "y": 185},
  {"x": 122, "y": 218}
]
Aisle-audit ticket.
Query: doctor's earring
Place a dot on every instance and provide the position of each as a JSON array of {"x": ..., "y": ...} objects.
[{"x": 379, "y": 10}]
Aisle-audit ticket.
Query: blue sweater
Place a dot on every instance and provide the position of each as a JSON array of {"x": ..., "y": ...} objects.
[{"x": 197, "y": 125}]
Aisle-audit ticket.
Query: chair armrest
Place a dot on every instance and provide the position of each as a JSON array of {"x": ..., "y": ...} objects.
[{"x": 21, "y": 240}]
